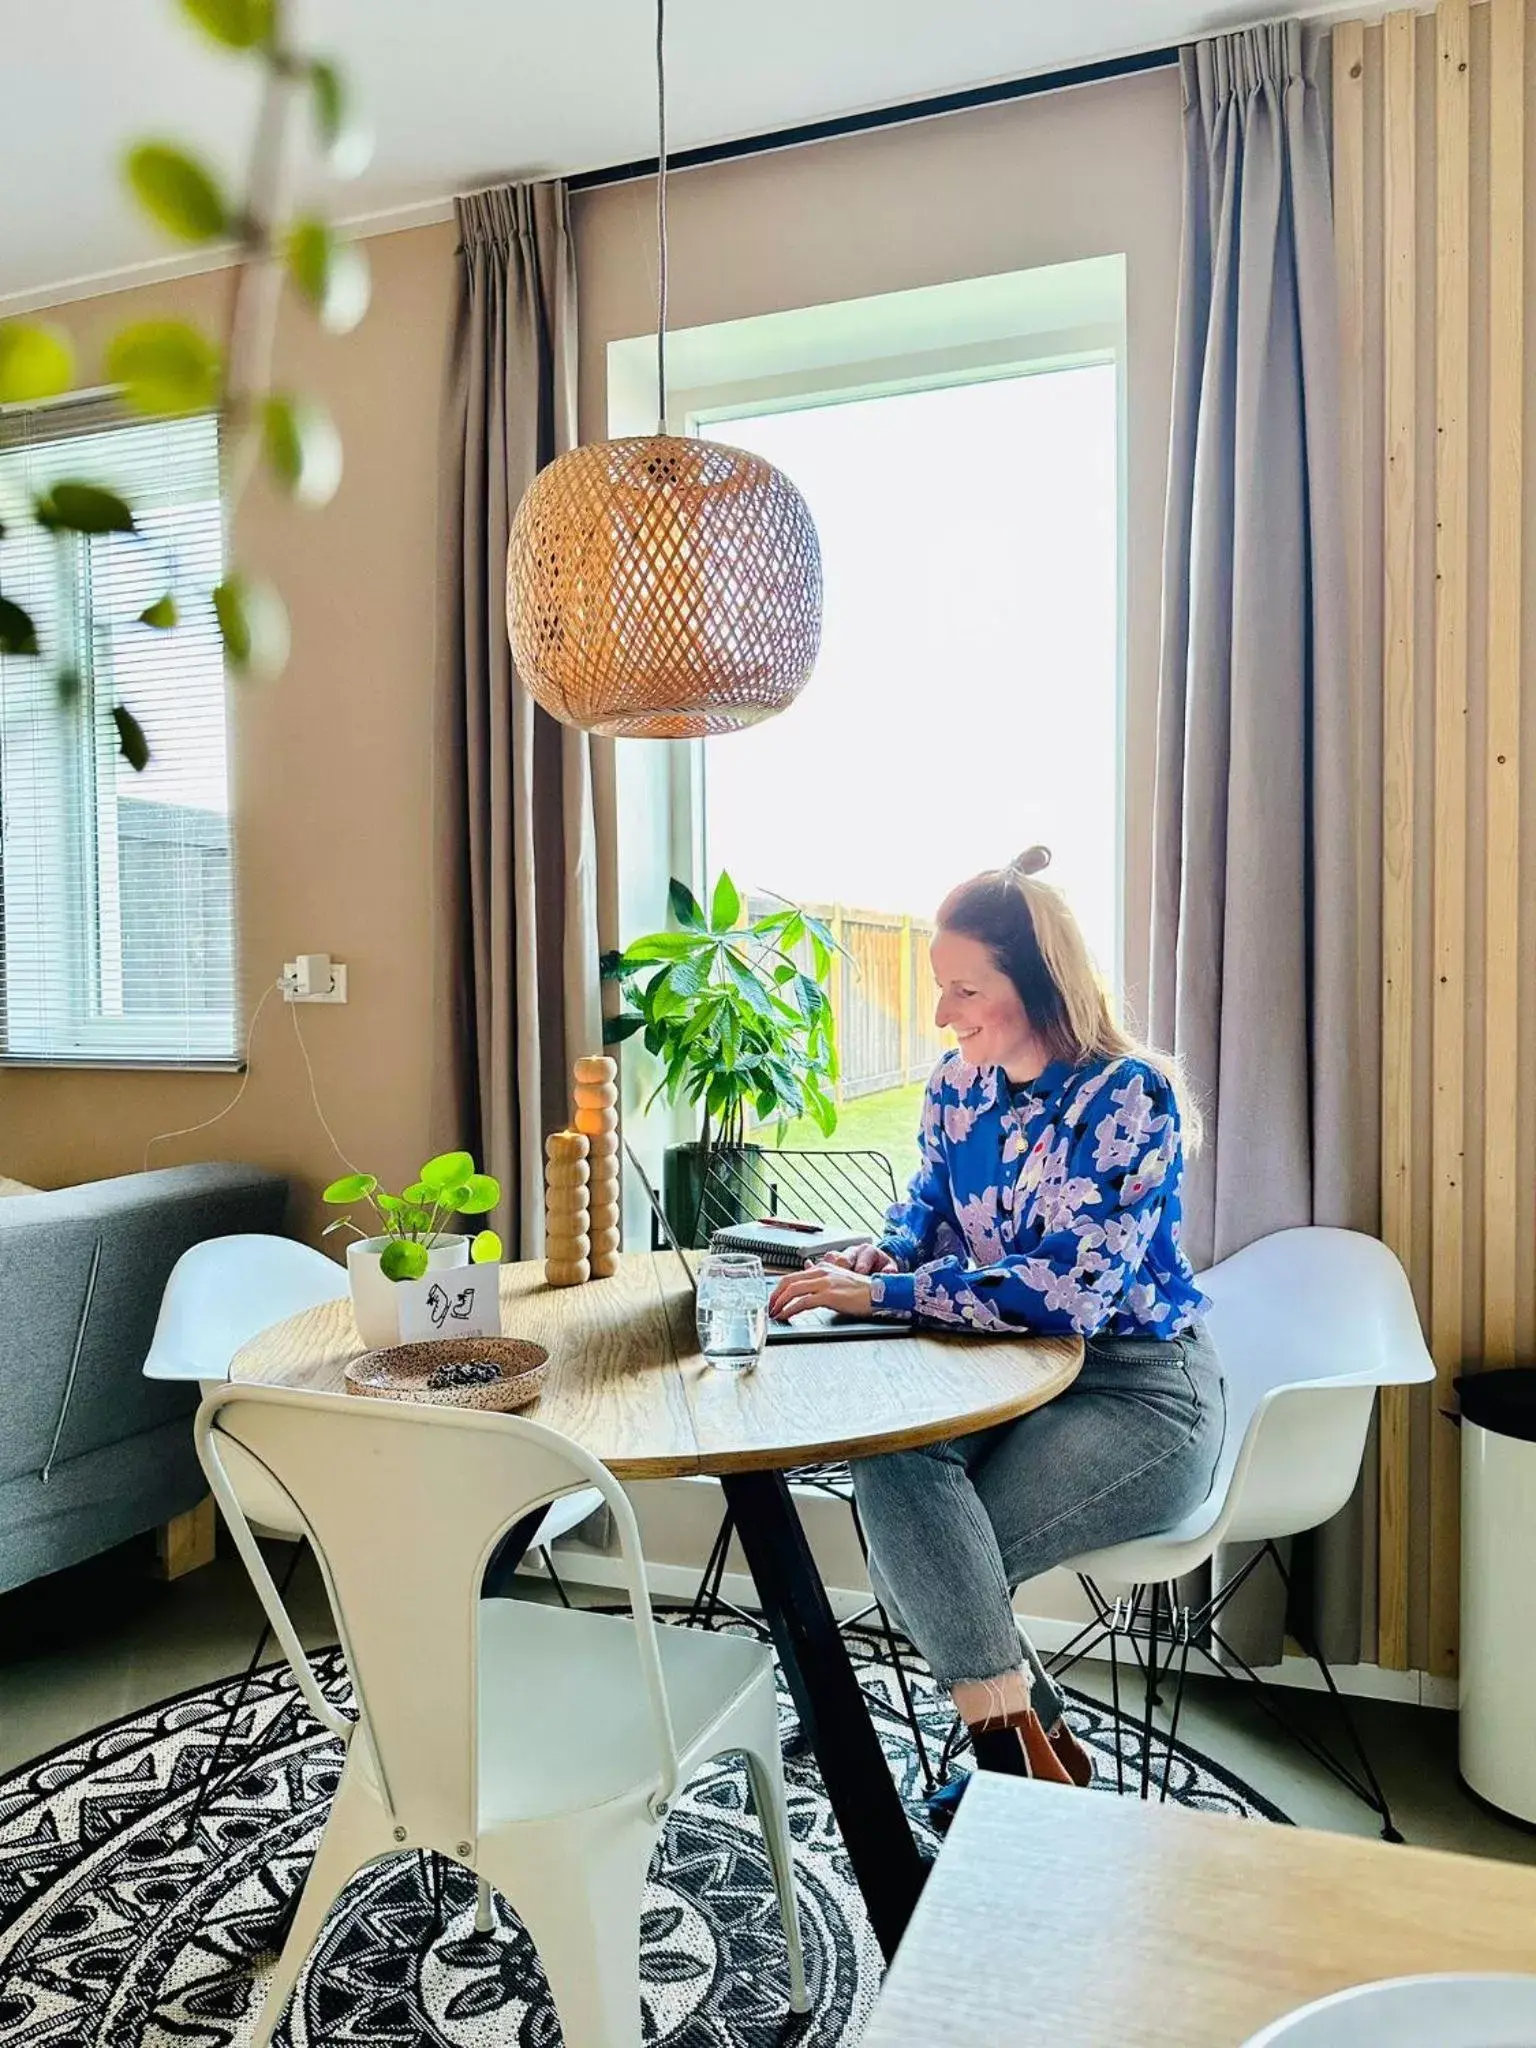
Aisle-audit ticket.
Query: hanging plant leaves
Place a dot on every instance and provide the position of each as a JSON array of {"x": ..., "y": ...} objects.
[
  {"x": 345, "y": 142},
  {"x": 177, "y": 192},
  {"x": 330, "y": 273},
  {"x": 303, "y": 448},
  {"x": 484, "y": 1248},
  {"x": 162, "y": 614},
  {"x": 253, "y": 625},
  {"x": 237, "y": 24},
  {"x": 18, "y": 633},
  {"x": 164, "y": 366},
  {"x": 131, "y": 743},
  {"x": 83, "y": 508},
  {"x": 36, "y": 362}
]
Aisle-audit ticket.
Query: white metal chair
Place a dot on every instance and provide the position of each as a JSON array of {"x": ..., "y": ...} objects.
[
  {"x": 541, "y": 1749},
  {"x": 220, "y": 1294},
  {"x": 1309, "y": 1323}
]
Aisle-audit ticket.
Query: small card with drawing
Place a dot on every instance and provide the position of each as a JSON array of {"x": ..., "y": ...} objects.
[{"x": 460, "y": 1301}]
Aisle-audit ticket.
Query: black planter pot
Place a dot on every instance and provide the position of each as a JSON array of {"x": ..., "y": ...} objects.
[{"x": 728, "y": 1171}]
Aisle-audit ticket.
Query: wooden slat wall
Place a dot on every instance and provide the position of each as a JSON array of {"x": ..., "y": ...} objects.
[
  {"x": 1445, "y": 657},
  {"x": 1453, "y": 338},
  {"x": 1506, "y": 384},
  {"x": 1399, "y": 607}
]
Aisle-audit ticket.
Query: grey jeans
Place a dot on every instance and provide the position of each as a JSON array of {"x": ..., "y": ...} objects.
[{"x": 1129, "y": 1448}]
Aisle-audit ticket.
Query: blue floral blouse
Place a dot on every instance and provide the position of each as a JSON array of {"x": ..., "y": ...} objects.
[{"x": 1053, "y": 1206}]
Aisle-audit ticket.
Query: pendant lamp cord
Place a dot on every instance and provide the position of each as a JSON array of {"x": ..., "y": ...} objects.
[{"x": 661, "y": 217}]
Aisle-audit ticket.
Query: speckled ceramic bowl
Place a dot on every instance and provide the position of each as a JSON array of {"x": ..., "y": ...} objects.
[{"x": 438, "y": 1373}]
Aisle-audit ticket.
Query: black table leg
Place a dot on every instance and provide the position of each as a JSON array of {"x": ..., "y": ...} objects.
[{"x": 832, "y": 1710}]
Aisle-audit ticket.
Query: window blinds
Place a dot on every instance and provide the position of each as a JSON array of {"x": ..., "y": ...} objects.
[{"x": 116, "y": 902}]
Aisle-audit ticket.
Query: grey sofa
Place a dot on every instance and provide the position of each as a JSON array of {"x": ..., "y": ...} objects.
[{"x": 90, "y": 1451}]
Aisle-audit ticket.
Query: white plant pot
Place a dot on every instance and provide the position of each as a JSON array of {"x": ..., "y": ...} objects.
[{"x": 375, "y": 1300}]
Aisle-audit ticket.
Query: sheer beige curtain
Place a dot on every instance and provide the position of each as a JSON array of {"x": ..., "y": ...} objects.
[
  {"x": 1264, "y": 937},
  {"x": 519, "y": 797}
]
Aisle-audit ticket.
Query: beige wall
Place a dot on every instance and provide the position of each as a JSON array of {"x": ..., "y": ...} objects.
[
  {"x": 331, "y": 773},
  {"x": 1087, "y": 173}
]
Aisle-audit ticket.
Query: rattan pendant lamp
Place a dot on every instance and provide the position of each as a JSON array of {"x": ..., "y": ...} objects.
[{"x": 660, "y": 587}]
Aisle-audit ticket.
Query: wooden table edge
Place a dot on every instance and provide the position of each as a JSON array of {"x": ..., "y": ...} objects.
[{"x": 715, "y": 1464}]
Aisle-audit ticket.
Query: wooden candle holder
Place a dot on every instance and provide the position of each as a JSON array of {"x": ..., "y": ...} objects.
[
  {"x": 567, "y": 1242},
  {"x": 597, "y": 1120}
]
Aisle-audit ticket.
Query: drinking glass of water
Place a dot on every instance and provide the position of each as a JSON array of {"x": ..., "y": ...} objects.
[{"x": 732, "y": 1310}]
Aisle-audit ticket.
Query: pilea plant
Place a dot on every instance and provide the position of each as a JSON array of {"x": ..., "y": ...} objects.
[
  {"x": 164, "y": 367},
  {"x": 414, "y": 1220}
]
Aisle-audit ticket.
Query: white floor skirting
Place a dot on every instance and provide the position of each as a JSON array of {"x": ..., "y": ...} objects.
[{"x": 1049, "y": 1632}]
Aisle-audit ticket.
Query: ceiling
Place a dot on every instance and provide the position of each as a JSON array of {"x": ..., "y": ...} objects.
[{"x": 461, "y": 93}]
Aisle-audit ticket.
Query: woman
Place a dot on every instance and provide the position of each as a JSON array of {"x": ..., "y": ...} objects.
[{"x": 1047, "y": 1199}]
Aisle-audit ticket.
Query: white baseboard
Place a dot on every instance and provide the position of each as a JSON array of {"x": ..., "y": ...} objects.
[
  {"x": 681, "y": 1582},
  {"x": 1359, "y": 1681}
]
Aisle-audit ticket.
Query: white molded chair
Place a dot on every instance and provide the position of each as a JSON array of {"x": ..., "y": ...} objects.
[
  {"x": 225, "y": 1291},
  {"x": 541, "y": 1749},
  {"x": 1309, "y": 1323}
]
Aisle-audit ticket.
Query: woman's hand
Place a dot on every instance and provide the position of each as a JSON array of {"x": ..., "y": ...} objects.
[
  {"x": 863, "y": 1258},
  {"x": 822, "y": 1287}
]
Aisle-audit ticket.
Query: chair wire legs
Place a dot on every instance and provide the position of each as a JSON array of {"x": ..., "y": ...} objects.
[
  {"x": 211, "y": 1773},
  {"x": 899, "y": 1670},
  {"x": 1161, "y": 1632},
  {"x": 709, "y": 1604},
  {"x": 554, "y": 1577}
]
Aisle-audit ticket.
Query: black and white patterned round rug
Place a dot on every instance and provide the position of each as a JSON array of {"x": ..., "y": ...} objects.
[{"x": 118, "y": 1932}]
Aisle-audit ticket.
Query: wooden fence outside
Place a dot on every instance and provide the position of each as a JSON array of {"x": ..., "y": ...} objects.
[{"x": 882, "y": 997}]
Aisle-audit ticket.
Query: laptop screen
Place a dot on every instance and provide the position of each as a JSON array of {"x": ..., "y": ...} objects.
[{"x": 663, "y": 1223}]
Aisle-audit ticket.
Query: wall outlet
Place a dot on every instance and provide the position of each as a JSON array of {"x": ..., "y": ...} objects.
[{"x": 314, "y": 978}]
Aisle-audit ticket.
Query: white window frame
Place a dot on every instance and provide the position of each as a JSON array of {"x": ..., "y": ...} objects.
[
  {"x": 1020, "y": 323},
  {"x": 80, "y": 861}
]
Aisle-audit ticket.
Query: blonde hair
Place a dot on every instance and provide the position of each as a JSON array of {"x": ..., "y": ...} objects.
[{"x": 1034, "y": 936}]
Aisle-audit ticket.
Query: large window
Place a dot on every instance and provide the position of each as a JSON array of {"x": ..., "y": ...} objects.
[
  {"x": 966, "y": 702},
  {"x": 116, "y": 911}
]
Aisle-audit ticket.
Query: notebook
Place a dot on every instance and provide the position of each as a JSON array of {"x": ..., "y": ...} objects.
[{"x": 781, "y": 1249}]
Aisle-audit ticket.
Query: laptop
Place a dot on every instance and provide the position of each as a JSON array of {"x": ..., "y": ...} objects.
[{"x": 811, "y": 1326}]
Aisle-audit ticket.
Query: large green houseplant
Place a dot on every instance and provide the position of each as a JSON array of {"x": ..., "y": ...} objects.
[{"x": 737, "y": 1014}]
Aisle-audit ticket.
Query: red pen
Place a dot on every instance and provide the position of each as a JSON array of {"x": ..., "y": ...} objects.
[{"x": 789, "y": 1223}]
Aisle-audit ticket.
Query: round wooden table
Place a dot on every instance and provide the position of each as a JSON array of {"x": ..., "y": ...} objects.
[{"x": 627, "y": 1382}]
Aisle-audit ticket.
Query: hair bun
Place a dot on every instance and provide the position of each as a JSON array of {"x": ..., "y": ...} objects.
[{"x": 1031, "y": 860}]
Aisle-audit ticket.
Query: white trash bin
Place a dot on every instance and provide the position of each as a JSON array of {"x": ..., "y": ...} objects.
[{"x": 1498, "y": 1589}]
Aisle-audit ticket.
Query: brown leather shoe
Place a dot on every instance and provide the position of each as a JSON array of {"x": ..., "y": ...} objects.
[
  {"x": 1018, "y": 1745},
  {"x": 1070, "y": 1753}
]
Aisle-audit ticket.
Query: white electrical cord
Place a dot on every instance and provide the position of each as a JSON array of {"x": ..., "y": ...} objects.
[
  {"x": 187, "y": 1130},
  {"x": 314, "y": 1095},
  {"x": 190, "y": 1130}
]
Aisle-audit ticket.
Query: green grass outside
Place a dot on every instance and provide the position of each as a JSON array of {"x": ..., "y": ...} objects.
[{"x": 886, "y": 1123}]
